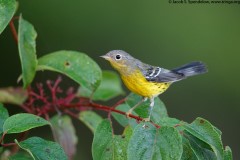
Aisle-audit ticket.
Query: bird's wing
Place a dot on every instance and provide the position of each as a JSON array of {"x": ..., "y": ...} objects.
[{"x": 158, "y": 74}]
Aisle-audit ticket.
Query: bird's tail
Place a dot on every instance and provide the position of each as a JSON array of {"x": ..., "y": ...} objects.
[{"x": 191, "y": 69}]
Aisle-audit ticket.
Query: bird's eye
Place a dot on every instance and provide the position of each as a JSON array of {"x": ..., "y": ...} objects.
[{"x": 118, "y": 57}]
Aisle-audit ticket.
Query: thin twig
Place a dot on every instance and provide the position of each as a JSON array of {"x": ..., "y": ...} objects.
[{"x": 13, "y": 29}]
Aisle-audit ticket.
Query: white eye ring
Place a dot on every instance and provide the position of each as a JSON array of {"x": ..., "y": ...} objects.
[{"x": 118, "y": 57}]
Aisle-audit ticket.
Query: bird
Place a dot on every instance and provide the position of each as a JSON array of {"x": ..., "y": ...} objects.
[{"x": 146, "y": 80}]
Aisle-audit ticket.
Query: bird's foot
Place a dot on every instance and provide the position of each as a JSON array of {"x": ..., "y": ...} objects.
[
  {"x": 128, "y": 113},
  {"x": 146, "y": 119}
]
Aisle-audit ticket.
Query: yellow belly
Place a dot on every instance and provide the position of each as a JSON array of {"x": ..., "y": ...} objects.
[{"x": 138, "y": 84}]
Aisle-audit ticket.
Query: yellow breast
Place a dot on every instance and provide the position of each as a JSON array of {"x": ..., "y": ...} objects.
[{"x": 137, "y": 83}]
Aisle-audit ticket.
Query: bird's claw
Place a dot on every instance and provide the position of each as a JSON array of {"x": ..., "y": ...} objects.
[
  {"x": 146, "y": 119},
  {"x": 128, "y": 113}
]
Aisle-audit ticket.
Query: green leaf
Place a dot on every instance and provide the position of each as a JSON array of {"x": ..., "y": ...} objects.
[
  {"x": 90, "y": 119},
  {"x": 7, "y": 10},
  {"x": 188, "y": 153},
  {"x": 22, "y": 122},
  {"x": 3, "y": 116},
  {"x": 108, "y": 146},
  {"x": 41, "y": 149},
  {"x": 65, "y": 134},
  {"x": 168, "y": 144},
  {"x": 201, "y": 149},
  {"x": 13, "y": 95},
  {"x": 75, "y": 65},
  {"x": 167, "y": 121},
  {"x": 122, "y": 119},
  {"x": 206, "y": 132},
  {"x": 148, "y": 142},
  {"x": 120, "y": 143},
  {"x": 159, "y": 110},
  {"x": 102, "y": 141},
  {"x": 228, "y": 153},
  {"x": 142, "y": 142},
  {"x": 109, "y": 88},
  {"x": 27, "y": 50},
  {"x": 20, "y": 156}
]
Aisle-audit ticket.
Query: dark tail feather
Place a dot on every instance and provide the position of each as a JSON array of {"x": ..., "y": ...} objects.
[{"x": 191, "y": 69}]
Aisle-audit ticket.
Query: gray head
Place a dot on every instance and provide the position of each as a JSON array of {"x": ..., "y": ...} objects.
[
  {"x": 119, "y": 59},
  {"x": 118, "y": 55}
]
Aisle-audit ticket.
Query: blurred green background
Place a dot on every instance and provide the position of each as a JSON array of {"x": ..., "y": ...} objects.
[{"x": 156, "y": 32}]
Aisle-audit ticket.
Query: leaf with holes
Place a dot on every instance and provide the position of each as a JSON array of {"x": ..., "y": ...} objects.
[
  {"x": 120, "y": 143},
  {"x": 13, "y": 95},
  {"x": 90, "y": 119},
  {"x": 108, "y": 146},
  {"x": 7, "y": 10},
  {"x": 76, "y": 65},
  {"x": 148, "y": 142},
  {"x": 65, "y": 134},
  {"x": 27, "y": 50},
  {"x": 110, "y": 87},
  {"x": 206, "y": 132},
  {"x": 22, "y": 122},
  {"x": 41, "y": 149}
]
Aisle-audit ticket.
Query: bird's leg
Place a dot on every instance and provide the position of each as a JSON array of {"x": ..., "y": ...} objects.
[
  {"x": 131, "y": 110},
  {"x": 150, "y": 109}
]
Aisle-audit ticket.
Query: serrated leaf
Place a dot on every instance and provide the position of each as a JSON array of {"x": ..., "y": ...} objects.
[
  {"x": 76, "y": 65},
  {"x": 13, "y": 95},
  {"x": 102, "y": 141},
  {"x": 41, "y": 149},
  {"x": 22, "y": 122},
  {"x": 65, "y": 134},
  {"x": 148, "y": 142},
  {"x": 206, "y": 132},
  {"x": 20, "y": 156},
  {"x": 201, "y": 149},
  {"x": 7, "y": 10},
  {"x": 27, "y": 50},
  {"x": 228, "y": 153},
  {"x": 90, "y": 119},
  {"x": 3, "y": 116},
  {"x": 109, "y": 88},
  {"x": 159, "y": 110}
]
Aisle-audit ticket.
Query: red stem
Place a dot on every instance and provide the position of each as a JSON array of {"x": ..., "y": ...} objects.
[
  {"x": 13, "y": 29},
  {"x": 101, "y": 107},
  {"x": 8, "y": 144}
]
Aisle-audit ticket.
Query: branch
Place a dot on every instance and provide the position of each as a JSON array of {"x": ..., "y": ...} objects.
[
  {"x": 13, "y": 29},
  {"x": 52, "y": 103}
]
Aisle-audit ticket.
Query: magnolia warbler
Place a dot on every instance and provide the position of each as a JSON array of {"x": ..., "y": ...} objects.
[{"x": 146, "y": 80}]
